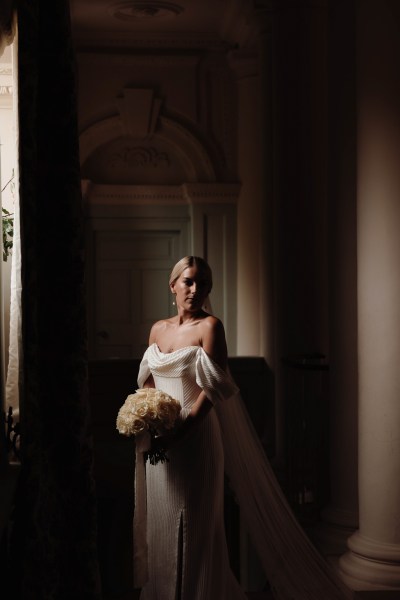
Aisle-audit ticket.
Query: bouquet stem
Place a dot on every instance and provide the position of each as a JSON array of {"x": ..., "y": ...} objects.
[
  {"x": 156, "y": 456},
  {"x": 156, "y": 453}
]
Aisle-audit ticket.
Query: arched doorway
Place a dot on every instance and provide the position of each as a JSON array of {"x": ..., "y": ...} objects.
[{"x": 151, "y": 197}]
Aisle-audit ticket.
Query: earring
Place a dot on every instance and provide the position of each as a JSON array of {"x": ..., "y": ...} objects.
[{"x": 173, "y": 301}]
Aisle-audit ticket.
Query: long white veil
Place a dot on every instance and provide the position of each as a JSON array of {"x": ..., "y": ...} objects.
[{"x": 293, "y": 566}]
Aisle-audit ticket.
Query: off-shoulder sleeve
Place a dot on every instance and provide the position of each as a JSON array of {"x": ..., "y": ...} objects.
[
  {"x": 144, "y": 370},
  {"x": 215, "y": 382}
]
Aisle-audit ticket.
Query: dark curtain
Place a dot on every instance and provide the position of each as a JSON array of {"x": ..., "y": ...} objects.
[
  {"x": 7, "y": 8},
  {"x": 54, "y": 535}
]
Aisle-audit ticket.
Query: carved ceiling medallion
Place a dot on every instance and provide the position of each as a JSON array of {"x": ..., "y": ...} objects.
[{"x": 140, "y": 9}]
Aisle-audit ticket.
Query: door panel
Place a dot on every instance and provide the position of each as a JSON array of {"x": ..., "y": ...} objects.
[{"x": 130, "y": 281}]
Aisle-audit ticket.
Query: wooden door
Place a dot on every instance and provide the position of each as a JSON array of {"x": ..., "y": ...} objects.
[{"x": 129, "y": 285}]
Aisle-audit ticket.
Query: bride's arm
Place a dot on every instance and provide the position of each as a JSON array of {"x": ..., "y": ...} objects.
[
  {"x": 197, "y": 413},
  {"x": 149, "y": 383}
]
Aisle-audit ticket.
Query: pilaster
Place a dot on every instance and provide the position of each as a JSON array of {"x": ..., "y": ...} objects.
[
  {"x": 340, "y": 517},
  {"x": 373, "y": 559}
]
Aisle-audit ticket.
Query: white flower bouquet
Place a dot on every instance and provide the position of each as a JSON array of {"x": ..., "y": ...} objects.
[{"x": 152, "y": 411}]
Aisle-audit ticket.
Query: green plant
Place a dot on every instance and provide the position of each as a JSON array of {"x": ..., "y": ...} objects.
[
  {"x": 8, "y": 223},
  {"x": 8, "y": 232}
]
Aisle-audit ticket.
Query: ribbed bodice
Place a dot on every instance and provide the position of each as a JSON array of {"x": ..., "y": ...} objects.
[{"x": 184, "y": 373}]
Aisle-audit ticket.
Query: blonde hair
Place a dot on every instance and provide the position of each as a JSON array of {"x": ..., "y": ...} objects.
[{"x": 192, "y": 261}]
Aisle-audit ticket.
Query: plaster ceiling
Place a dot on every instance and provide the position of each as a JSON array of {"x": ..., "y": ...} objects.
[{"x": 107, "y": 22}]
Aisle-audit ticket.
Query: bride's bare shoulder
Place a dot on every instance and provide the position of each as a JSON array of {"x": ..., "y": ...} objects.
[
  {"x": 159, "y": 328},
  {"x": 213, "y": 339},
  {"x": 212, "y": 324}
]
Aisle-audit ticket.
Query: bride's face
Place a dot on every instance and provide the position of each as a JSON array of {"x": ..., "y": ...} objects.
[{"x": 191, "y": 289}]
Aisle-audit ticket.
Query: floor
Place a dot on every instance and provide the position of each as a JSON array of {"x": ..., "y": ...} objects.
[
  {"x": 115, "y": 509},
  {"x": 250, "y": 595}
]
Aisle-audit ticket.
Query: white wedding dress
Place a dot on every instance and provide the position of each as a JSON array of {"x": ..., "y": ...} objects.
[
  {"x": 187, "y": 551},
  {"x": 180, "y": 546}
]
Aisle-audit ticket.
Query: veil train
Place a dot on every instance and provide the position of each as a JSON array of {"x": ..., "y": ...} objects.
[{"x": 292, "y": 565}]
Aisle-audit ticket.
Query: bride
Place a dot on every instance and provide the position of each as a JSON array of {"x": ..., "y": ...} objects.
[{"x": 180, "y": 546}]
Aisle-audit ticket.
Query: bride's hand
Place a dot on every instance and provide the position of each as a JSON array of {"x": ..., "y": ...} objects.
[
  {"x": 162, "y": 442},
  {"x": 165, "y": 441}
]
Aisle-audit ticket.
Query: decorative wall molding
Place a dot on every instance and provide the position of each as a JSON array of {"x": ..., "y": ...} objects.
[
  {"x": 187, "y": 149},
  {"x": 139, "y": 110},
  {"x": 187, "y": 193},
  {"x": 190, "y": 60},
  {"x": 119, "y": 195},
  {"x": 215, "y": 193},
  {"x": 100, "y": 133},
  {"x": 186, "y": 40},
  {"x": 139, "y": 156},
  {"x": 190, "y": 149}
]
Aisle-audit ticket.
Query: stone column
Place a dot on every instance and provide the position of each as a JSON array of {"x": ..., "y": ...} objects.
[
  {"x": 268, "y": 180},
  {"x": 255, "y": 233},
  {"x": 340, "y": 518},
  {"x": 292, "y": 50},
  {"x": 253, "y": 66},
  {"x": 249, "y": 228},
  {"x": 373, "y": 560}
]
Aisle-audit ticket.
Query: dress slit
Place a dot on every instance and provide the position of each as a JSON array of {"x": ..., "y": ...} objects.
[
  {"x": 179, "y": 560},
  {"x": 187, "y": 553}
]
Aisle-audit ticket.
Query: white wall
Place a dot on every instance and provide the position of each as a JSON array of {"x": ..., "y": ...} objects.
[{"x": 8, "y": 161}]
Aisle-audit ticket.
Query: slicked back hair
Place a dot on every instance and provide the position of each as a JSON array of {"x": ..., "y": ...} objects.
[{"x": 192, "y": 261}]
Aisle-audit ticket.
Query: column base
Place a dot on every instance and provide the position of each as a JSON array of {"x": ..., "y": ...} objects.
[
  {"x": 330, "y": 535},
  {"x": 371, "y": 565},
  {"x": 330, "y": 539}
]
